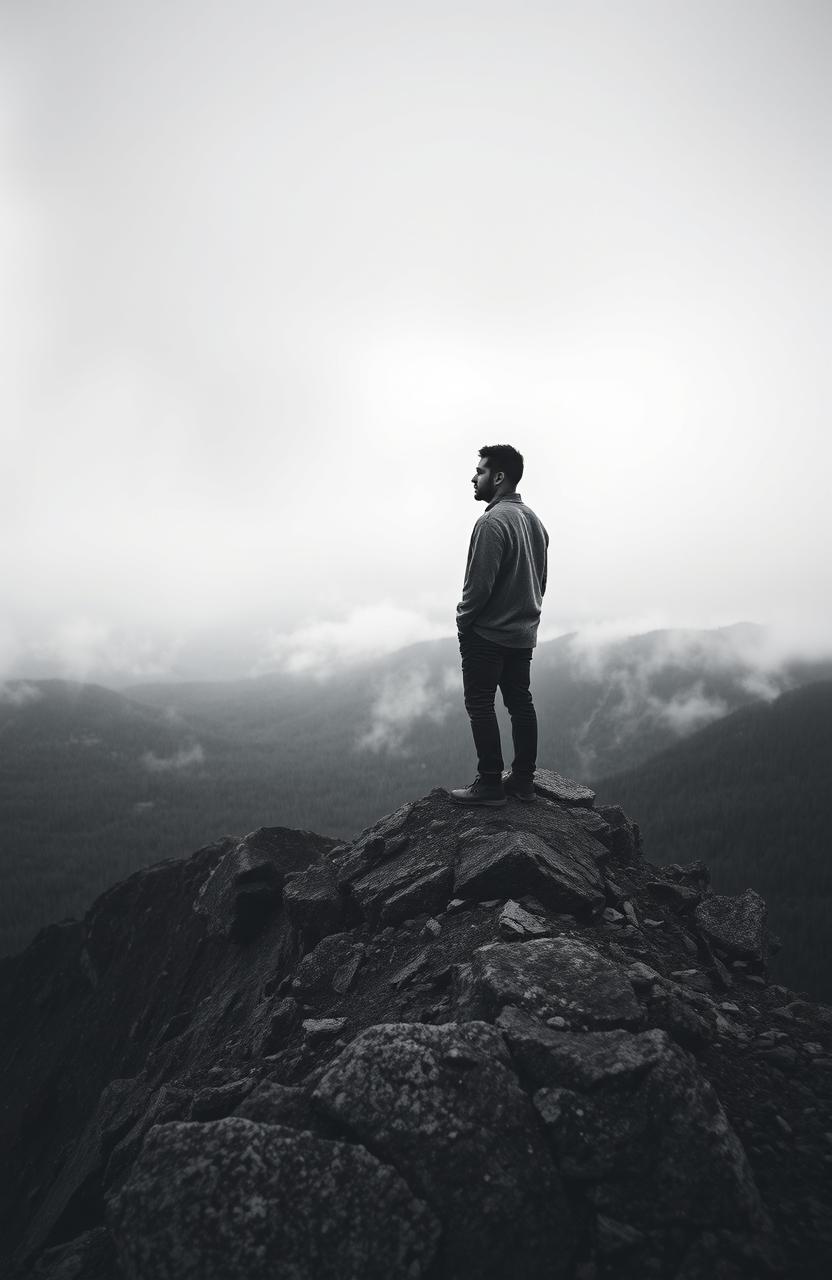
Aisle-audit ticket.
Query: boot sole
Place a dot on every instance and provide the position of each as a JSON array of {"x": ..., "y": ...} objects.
[{"x": 523, "y": 799}]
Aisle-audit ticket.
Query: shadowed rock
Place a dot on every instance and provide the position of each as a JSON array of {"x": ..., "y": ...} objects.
[
  {"x": 561, "y": 870},
  {"x": 314, "y": 903},
  {"x": 443, "y": 1105},
  {"x": 244, "y": 890},
  {"x": 318, "y": 968},
  {"x": 236, "y": 1200}
]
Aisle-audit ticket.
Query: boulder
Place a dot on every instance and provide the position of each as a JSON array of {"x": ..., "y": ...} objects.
[
  {"x": 427, "y": 893},
  {"x": 579, "y": 1060},
  {"x": 623, "y": 839},
  {"x": 443, "y": 1105},
  {"x": 563, "y": 790},
  {"x": 237, "y": 1200},
  {"x": 244, "y": 890},
  {"x": 402, "y": 881},
  {"x": 564, "y": 875},
  {"x": 654, "y": 1140},
  {"x": 314, "y": 903},
  {"x": 516, "y": 923},
  {"x": 317, "y": 969},
  {"x": 549, "y": 977},
  {"x": 735, "y": 924}
]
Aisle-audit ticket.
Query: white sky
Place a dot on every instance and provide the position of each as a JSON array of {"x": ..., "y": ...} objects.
[{"x": 271, "y": 274}]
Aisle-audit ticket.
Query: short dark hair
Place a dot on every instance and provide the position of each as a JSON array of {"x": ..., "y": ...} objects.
[{"x": 504, "y": 457}]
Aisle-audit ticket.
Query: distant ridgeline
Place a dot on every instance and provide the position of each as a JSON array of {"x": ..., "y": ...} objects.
[
  {"x": 95, "y": 784},
  {"x": 466, "y": 1045}
]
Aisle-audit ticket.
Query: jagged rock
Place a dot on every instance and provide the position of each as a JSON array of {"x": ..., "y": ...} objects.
[
  {"x": 410, "y": 970},
  {"x": 443, "y": 1104},
  {"x": 320, "y": 1030},
  {"x": 735, "y": 924},
  {"x": 428, "y": 893},
  {"x": 314, "y": 903},
  {"x": 120, "y": 1105},
  {"x": 90, "y": 1256},
  {"x": 388, "y": 827},
  {"x": 244, "y": 890},
  {"x": 632, "y": 1115},
  {"x": 594, "y": 825},
  {"x": 272, "y": 1103},
  {"x": 689, "y": 1027},
  {"x": 169, "y": 1102},
  {"x": 235, "y": 1200},
  {"x": 623, "y": 840},
  {"x": 549, "y": 977},
  {"x": 275, "y": 1024},
  {"x": 678, "y": 896},
  {"x": 563, "y": 790},
  {"x": 693, "y": 874},
  {"x": 319, "y": 966},
  {"x": 391, "y": 881},
  {"x": 563, "y": 875},
  {"x": 214, "y": 1103},
  {"x": 579, "y": 1060},
  {"x": 515, "y": 923}
]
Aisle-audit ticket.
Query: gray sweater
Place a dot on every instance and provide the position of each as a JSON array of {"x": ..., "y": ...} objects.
[{"x": 505, "y": 578}]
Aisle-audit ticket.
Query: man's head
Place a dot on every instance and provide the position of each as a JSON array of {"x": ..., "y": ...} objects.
[{"x": 499, "y": 471}]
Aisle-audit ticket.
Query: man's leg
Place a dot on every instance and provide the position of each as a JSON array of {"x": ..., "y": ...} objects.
[
  {"x": 482, "y": 666},
  {"x": 514, "y": 686}
]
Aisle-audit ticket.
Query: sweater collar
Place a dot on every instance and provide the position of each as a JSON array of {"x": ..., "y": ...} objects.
[{"x": 504, "y": 497}]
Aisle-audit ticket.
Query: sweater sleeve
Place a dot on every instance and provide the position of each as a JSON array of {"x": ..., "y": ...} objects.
[{"x": 485, "y": 555}]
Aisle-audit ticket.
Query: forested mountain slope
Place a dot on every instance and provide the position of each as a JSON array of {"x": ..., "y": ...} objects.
[{"x": 750, "y": 795}]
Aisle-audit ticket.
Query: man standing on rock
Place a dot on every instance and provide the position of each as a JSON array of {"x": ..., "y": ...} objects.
[{"x": 497, "y": 620}]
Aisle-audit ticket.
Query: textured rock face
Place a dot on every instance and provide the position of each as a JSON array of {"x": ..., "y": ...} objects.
[
  {"x": 735, "y": 924},
  {"x": 385, "y": 1081},
  {"x": 236, "y": 1200},
  {"x": 631, "y": 1115},
  {"x": 244, "y": 890},
  {"x": 443, "y": 1105},
  {"x": 566, "y": 878},
  {"x": 314, "y": 903},
  {"x": 550, "y": 977},
  {"x": 564, "y": 790}
]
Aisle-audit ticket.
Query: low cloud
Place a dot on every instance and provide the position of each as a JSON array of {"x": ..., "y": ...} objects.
[
  {"x": 83, "y": 649},
  {"x": 181, "y": 759},
  {"x": 19, "y": 693},
  {"x": 403, "y": 699},
  {"x": 688, "y": 711},
  {"x": 367, "y": 633}
]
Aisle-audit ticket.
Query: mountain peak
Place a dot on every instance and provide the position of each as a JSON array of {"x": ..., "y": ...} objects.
[{"x": 467, "y": 1043}]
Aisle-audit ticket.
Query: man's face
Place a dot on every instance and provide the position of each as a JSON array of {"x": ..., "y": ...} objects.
[{"x": 484, "y": 481}]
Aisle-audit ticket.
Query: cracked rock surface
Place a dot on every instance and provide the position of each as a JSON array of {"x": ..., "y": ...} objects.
[{"x": 466, "y": 1044}]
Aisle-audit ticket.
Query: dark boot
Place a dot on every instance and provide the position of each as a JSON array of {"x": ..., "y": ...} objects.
[
  {"x": 520, "y": 788},
  {"x": 481, "y": 792}
]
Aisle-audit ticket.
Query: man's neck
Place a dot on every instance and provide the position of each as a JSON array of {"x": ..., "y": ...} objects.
[{"x": 499, "y": 497}]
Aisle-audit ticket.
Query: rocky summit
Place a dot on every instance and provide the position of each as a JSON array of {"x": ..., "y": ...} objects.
[{"x": 471, "y": 1044}]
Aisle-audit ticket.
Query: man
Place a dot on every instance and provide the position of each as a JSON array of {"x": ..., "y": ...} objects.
[{"x": 497, "y": 620}]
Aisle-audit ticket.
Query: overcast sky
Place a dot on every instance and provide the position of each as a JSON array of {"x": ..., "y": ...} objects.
[{"x": 272, "y": 273}]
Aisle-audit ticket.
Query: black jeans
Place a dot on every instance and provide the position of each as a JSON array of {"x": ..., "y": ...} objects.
[{"x": 485, "y": 667}]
